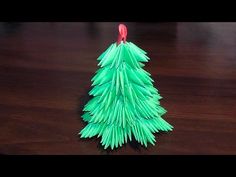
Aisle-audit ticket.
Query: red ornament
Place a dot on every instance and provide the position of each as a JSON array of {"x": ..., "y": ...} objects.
[{"x": 122, "y": 34}]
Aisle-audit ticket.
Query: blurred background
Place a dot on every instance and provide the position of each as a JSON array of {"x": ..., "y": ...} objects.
[{"x": 45, "y": 72}]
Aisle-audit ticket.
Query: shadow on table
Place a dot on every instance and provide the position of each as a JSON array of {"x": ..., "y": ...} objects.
[{"x": 133, "y": 144}]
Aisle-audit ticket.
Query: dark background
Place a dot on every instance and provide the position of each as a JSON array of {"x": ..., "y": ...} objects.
[{"x": 45, "y": 72}]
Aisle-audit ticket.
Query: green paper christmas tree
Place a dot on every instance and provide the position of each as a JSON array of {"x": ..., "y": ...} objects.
[{"x": 125, "y": 103}]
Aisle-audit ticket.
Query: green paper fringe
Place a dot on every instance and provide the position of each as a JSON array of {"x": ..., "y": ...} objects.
[{"x": 124, "y": 102}]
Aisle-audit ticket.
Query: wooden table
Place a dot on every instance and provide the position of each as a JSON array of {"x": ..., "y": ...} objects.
[{"x": 45, "y": 72}]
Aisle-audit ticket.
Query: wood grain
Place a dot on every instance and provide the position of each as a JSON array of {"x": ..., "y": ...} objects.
[{"x": 45, "y": 72}]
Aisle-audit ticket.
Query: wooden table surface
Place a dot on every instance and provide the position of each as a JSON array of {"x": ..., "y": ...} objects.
[{"x": 45, "y": 72}]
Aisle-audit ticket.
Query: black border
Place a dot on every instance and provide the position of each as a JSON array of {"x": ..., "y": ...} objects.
[
  {"x": 109, "y": 165},
  {"x": 119, "y": 11}
]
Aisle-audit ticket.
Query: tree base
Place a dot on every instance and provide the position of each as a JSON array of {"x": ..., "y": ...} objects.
[{"x": 114, "y": 136}]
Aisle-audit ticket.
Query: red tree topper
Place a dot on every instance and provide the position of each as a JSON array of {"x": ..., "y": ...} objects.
[{"x": 122, "y": 33}]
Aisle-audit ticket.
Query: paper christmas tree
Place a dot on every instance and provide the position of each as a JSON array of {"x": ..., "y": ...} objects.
[{"x": 125, "y": 103}]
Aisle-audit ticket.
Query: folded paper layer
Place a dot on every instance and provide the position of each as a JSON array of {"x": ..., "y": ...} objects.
[{"x": 125, "y": 103}]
